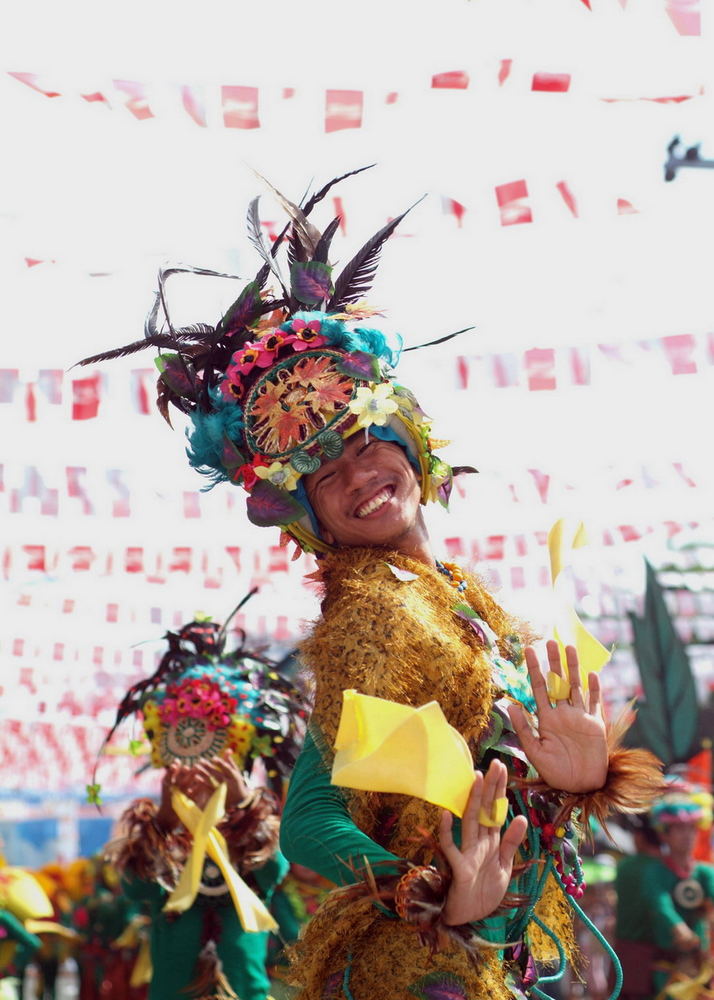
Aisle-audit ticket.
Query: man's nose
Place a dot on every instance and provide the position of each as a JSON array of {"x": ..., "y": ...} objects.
[{"x": 360, "y": 473}]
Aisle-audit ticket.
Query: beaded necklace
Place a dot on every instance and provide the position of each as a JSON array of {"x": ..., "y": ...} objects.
[{"x": 454, "y": 575}]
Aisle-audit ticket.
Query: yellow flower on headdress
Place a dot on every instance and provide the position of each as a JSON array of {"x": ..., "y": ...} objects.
[
  {"x": 374, "y": 404},
  {"x": 278, "y": 474}
]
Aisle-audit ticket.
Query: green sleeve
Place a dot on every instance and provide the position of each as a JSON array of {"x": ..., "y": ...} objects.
[
  {"x": 15, "y": 930},
  {"x": 316, "y": 829},
  {"x": 271, "y": 875},
  {"x": 663, "y": 912},
  {"x": 141, "y": 891},
  {"x": 705, "y": 873}
]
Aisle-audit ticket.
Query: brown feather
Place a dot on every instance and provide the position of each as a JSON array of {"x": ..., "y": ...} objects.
[{"x": 209, "y": 981}]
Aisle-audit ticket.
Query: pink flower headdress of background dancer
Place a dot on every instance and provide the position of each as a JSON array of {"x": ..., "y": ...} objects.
[{"x": 280, "y": 382}]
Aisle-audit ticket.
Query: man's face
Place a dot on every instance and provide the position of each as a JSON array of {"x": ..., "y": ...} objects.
[
  {"x": 680, "y": 838},
  {"x": 368, "y": 496}
]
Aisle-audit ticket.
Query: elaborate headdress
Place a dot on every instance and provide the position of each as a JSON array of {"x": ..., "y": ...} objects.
[
  {"x": 682, "y": 803},
  {"x": 281, "y": 381},
  {"x": 203, "y": 701}
]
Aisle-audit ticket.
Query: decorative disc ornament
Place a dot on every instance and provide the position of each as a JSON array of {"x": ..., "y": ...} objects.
[{"x": 688, "y": 894}]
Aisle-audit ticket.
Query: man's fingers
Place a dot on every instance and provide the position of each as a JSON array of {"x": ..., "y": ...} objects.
[
  {"x": 576, "y": 693},
  {"x": 593, "y": 694},
  {"x": 518, "y": 717},
  {"x": 446, "y": 837},
  {"x": 540, "y": 692},
  {"x": 512, "y": 839}
]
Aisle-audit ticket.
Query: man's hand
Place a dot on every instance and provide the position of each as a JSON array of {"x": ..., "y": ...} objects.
[
  {"x": 481, "y": 868},
  {"x": 570, "y": 749}
]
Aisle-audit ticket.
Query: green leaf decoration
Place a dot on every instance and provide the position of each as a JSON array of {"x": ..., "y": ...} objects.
[
  {"x": 136, "y": 747},
  {"x": 244, "y": 311},
  {"x": 304, "y": 463},
  {"x": 232, "y": 457},
  {"x": 668, "y": 715},
  {"x": 361, "y": 365},
  {"x": 93, "y": 795},
  {"x": 311, "y": 283},
  {"x": 464, "y": 610},
  {"x": 268, "y": 505},
  {"x": 331, "y": 444},
  {"x": 177, "y": 374}
]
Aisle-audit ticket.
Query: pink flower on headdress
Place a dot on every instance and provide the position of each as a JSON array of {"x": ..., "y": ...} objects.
[
  {"x": 307, "y": 334},
  {"x": 268, "y": 347},
  {"x": 231, "y": 387},
  {"x": 245, "y": 360}
]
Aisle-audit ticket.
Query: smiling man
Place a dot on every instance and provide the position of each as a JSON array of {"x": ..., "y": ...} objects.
[{"x": 294, "y": 398}]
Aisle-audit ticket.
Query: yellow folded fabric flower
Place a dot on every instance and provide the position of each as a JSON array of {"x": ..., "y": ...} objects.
[{"x": 382, "y": 746}]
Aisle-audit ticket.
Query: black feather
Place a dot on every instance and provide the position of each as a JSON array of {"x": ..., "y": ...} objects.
[
  {"x": 319, "y": 195},
  {"x": 356, "y": 278},
  {"x": 323, "y": 247},
  {"x": 172, "y": 341},
  {"x": 441, "y": 340}
]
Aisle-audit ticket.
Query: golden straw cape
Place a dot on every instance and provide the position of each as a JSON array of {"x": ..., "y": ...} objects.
[{"x": 400, "y": 640}]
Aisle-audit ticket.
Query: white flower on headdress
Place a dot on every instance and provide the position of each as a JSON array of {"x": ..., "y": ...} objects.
[
  {"x": 278, "y": 474},
  {"x": 374, "y": 405}
]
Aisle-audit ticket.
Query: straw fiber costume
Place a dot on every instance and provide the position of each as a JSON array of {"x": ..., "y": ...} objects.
[
  {"x": 273, "y": 391},
  {"x": 207, "y": 880}
]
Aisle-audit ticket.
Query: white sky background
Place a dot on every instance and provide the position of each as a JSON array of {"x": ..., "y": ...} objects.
[{"x": 97, "y": 190}]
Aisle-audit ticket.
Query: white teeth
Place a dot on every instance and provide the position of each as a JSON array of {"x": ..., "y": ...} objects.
[{"x": 374, "y": 504}]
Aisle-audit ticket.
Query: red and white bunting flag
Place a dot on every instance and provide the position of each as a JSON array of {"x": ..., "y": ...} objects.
[
  {"x": 343, "y": 109},
  {"x": 685, "y": 15},
  {"x": 554, "y": 83},
  {"x": 37, "y": 83},
  {"x": 625, "y": 207},
  {"x": 453, "y": 207},
  {"x": 512, "y": 204},
  {"x": 194, "y": 103},
  {"x": 456, "y": 79},
  {"x": 540, "y": 368},
  {"x": 240, "y": 107},
  {"x": 680, "y": 352},
  {"x": 143, "y": 381},
  {"x": 136, "y": 100},
  {"x": 85, "y": 397},
  {"x": 568, "y": 197}
]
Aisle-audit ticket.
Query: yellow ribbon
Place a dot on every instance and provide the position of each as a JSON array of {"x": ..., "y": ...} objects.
[
  {"x": 50, "y": 927},
  {"x": 499, "y": 811},
  {"x": 201, "y": 823},
  {"x": 683, "y": 987},
  {"x": 569, "y": 630},
  {"x": 143, "y": 969},
  {"x": 558, "y": 687},
  {"x": 382, "y": 746}
]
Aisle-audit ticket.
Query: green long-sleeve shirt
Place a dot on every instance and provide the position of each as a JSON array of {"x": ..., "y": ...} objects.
[
  {"x": 316, "y": 829},
  {"x": 177, "y": 940}
]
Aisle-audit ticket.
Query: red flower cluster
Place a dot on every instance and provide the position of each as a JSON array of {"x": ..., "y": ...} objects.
[{"x": 197, "y": 698}]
